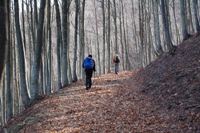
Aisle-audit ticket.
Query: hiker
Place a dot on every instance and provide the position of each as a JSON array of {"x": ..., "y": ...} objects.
[
  {"x": 89, "y": 66},
  {"x": 116, "y": 62}
]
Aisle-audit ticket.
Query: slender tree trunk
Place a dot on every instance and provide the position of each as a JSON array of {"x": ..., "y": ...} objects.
[
  {"x": 189, "y": 20},
  {"x": 65, "y": 32},
  {"x": 183, "y": 19},
  {"x": 176, "y": 26},
  {"x": 115, "y": 23},
  {"x": 121, "y": 41},
  {"x": 104, "y": 32},
  {"x": 141, "y": 32},
  {"x": 82, "y": 36},
  {"x": 195, "y": 14},
  {"x": 35, "y": 68},
  {"x": 8, "y": 72},
  {"x": 125, "y": 37},
  {"x": 3, "y": 25},
  {"x": 128, "y": 65},
  {"x": 97, "y": 37},
  {"x": 35, "y": 13},
  {"x": 157, "y": 47},
  {"x": 49, "y": 65},
  {"x": 23, "y": 27},
  {"x": 166, "y": 27},
  {"x": 108, "y": 38},
  {"x": 3, "y": 103},
  {"x": 21, "y": 59},
  {"x": 59, "y": 43},
  {"x": 77, "y": 3}
]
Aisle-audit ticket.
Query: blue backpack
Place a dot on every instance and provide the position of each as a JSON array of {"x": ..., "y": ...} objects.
[{"x": 88, "y": 63}]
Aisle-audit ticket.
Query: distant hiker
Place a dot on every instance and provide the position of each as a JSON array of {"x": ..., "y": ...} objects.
[
  {"x": 89, "y": 66},
  {"x": 116, "y": 62}
]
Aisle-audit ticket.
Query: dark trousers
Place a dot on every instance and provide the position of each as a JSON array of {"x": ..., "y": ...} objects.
[{"x": 88, "y": 73}]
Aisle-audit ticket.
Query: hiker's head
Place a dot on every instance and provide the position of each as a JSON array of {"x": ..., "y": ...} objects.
[{"x": 90, "y": 55}]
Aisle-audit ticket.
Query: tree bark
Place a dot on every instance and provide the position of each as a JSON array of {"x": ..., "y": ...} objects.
[
  {"x": 21, "y": 59},
  {"x": 165, "y": 22},
  {"x": 49, "y": 65},
  {"x": 77, "y": 3},
  {"x": 8, "y": 72},
  {"x": 3, "y": 25},
  {"x": 185, "y": 34},
  {"x": 35, "y": 68},
  {"x": 65, "y": 32},
  {"x": 157, "y": 47},
  {"x": 82, "y": 36},
  {"x": 97, "y": 37},
  {"x": 104, "y": 40},
  {"x": 195, "y": 15},
  {"x": 108, "y": 39},
  {"x": 115, "y": 23},
  {"x": 59, "y": 43}
]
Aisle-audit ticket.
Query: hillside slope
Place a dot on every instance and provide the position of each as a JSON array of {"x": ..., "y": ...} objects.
[
  {"x": 173, "y": 83},
  {"x": 162, "y": 98}
]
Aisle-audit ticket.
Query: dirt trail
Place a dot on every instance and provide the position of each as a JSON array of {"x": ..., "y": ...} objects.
[
  {"x": 75, "y": 109},
  {"x": 114, "y": 104}
]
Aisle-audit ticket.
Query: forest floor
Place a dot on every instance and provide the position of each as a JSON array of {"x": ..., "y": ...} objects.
[{"x": 162, "y": 98}]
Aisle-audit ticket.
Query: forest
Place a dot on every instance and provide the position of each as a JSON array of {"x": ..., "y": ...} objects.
[{"x": 44, "y": 42}]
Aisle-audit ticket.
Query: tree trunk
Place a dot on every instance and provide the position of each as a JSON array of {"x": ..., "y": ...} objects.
[
  {"x": 168, "y": 40},
  {"x": 104, "y": 40},
  {"x": 176, "y": 26},
  {"x": 108, "y": 38},
  {"x": 65, "y": 32},
  {"x": 35, "y": 68},
  {"x": 97, "y": 37},
  {"x": 59, "y": 43},
  {"x": 49, "y": 65},
  {"x": 82, "y": 36},
  {"x": 77, "y": 3},
  {"x": 185, "y": 34},
  {"x": 8, "y": 72},
  {"x": 3, "y": 25},
  {"x": 189, "y": 19},
  {"x": 21, "y": 59},
  {"x": 115, "y": 23},
  {"x": 121, "y": 40},
  {"x": 195, "y": 14},
  {"x": 157, "y": 47}
]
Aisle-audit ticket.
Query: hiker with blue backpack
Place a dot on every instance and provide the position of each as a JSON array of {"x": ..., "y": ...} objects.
[{"x": 89, "y": 66}]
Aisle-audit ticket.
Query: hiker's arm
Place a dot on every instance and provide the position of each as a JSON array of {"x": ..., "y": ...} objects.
[{"x": 94, "y": 68}]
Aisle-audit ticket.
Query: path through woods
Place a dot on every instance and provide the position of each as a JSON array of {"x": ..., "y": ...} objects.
[{"x": 112, "y": 105}]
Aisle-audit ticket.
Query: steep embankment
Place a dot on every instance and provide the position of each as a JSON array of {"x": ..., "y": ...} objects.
[
  {"x": 173, "y": 83},
  {"x": 162, "y": 98}
]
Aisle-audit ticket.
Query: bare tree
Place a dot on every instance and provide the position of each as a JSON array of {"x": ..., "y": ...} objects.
[
  {"x": 185, "y": 33},
  {"x": 157, "y": 47},
  {"x": 97, "y": 37},
  {"x": 165, "y": 22},
  {"x": 195, "y": 12},
  {"x": 77, "y": 3},
  {"x": 21, "y": 59},
  {"x": 108, "y": 38},
  {"x": 35, "y": 68},
  {"x": 3, "y": 24},
  {"x": 59, "y": 43},
  {"x": 65, "y": 32},
  {"x": 104, "y": 32}
]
